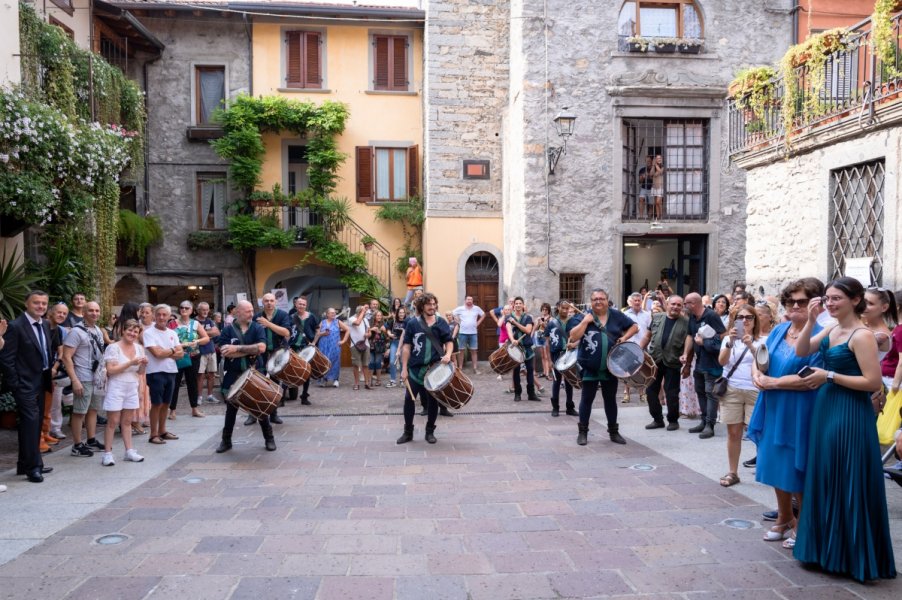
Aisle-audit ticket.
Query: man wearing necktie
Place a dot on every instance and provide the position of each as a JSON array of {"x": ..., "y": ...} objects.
[{"x": 25, "y": 363}]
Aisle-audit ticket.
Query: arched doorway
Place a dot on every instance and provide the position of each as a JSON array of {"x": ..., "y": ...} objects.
[{"x": 481, "y": 277}]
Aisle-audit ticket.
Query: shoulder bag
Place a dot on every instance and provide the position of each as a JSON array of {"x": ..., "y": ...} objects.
[{"x": 720, "y": 384}]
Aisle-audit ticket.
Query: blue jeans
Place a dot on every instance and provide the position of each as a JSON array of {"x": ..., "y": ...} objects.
[{"x": 392, "y": 352}]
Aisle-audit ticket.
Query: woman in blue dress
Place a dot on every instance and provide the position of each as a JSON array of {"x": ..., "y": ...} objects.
[
  {"x": 329, "y": 339},
  {"x": 843, "y": 526},
  {"x": 780, "y": 420}
]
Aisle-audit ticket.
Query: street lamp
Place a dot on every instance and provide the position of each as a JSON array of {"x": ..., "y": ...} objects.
[{"x": 563, "y": 124}]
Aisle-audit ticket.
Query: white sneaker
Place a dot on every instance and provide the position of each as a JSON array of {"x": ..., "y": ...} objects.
[
  {"x": 335, "y": 383},
  {"x": 132, "y": 455},
  {"x": 58, "y": 434},
  {"x": 108, "y": 459},
  {"x": 2, "y": 488},
  {"x": 212, "y": 400}
]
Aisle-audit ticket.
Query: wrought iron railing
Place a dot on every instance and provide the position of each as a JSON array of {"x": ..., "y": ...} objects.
[{"x": 854, "y": 80}]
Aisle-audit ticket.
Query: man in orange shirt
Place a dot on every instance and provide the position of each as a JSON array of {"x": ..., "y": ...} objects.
[{"x": 414, "y": 278}]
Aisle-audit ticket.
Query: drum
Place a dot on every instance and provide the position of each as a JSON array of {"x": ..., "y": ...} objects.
[
  {"x": 629, "y": 363},
  {"x": 569, "y": 369},
  {"x": 448, "y": 385},
  {"x": 255, "y": 393},
  {"x": 319, "y": 362},
  {"x": 288, "y": 367},
  {"x": 762, "y": 358},
  {"x": 506, "y": 358}
]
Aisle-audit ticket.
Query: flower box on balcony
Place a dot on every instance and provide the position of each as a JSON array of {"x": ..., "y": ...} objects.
[
  {"x": 689, "y": 46},
  {"x": 665, "y": 48},
  {"x": 638, "y": 44}
]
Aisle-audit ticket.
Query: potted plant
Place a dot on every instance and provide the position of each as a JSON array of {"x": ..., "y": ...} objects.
[
  {"x": 7, "y": 411},
  {"x": 368, "y": 242},
  {"x": 689, "y": 45},
  {"x": 665, "y": 45},
  {"x": 637, "y": 44}
]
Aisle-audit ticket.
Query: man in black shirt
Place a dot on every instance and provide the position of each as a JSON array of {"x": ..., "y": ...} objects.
[
  {"x": 303, "y": 332},
  {"x": 707, "y": 366}
]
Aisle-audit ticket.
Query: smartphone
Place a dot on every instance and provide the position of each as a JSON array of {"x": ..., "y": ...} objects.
[
  {"x": 739, "y": 324},
  {"x": 823, "y": 302},
  {"x": 805, "y": 371}
]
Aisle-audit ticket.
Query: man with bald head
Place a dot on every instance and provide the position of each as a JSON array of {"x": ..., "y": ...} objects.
[
  {"x": 706, "y": 344},
  {"x": 242, "y": 344},
  {"x": 82, "y": 353},
  {"x": 666, "y": 340},
  {"x": 276, "y": 331}
]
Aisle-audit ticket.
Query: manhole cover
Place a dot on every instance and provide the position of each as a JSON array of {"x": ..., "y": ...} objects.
[
  {"x": 643, "y": 467},
  {"x": 112, "y": 538},
  {"x": 738, "y": 523},
  {"x": 193, "y": 479}
]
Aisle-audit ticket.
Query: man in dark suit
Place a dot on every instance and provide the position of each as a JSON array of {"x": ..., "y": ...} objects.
[{"x": 25, "y": 362}]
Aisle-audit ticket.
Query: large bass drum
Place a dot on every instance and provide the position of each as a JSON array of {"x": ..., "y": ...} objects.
[
  {"x": 255, "y": 393},
  {"x": 286, "y": 366},
  {"x": 448, "y": 385},
  {"x": 629, "y": 363},
  {"x": 569, "y": 369},
  {"x": 506, "y": 358},
  {"x": 319, "y": 362}
]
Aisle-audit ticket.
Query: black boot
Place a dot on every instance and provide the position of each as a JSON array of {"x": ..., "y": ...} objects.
[
  {"x": 407, "y": 436},
  {"x": 250, "y": 420},
  {"x": 266, "y": 426},
  {"x": 443, "y": 410},
  {"x": 533, "y": 397},
  {"x": 429, "y": 434},
  {"x": 555, "y": 409},
  {"x": 226, "y": 443},
  {"x": 614, "y": 432},
  {"x": 517, "y": 398},
  {"x": 275, "y": 418},
  {"x": 583, "y": 438},
  {"x": 305, "y": 401},
  {"x": 698, "y": 428},
  {"x": 571, "y": 409},
  {"x": 423, "y": 412}
]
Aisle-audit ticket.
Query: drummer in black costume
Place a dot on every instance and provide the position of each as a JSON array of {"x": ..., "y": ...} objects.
[
  {"x": 304, "y": 326},
  {"x": 519, "y": 330},
  {"x": 242, "y": 344},
  {"x": 422, "y": 336},
  {"x": 558, "y": 341},
  {"x": 597, "y": 332},
  {"x": 276, "y": 328}
]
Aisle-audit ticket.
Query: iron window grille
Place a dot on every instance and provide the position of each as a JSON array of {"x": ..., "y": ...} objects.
[
  {"x": 856, "y": 217},
  {"x": 573, "y": 287}
]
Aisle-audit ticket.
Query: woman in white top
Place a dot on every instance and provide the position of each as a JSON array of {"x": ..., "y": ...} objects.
[
  {"x": 737, "y": 353},
  {"x": 125, "y": 364}
]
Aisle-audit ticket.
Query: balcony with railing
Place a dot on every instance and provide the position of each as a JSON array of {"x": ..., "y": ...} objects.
[{"x": 823, "y": 100}]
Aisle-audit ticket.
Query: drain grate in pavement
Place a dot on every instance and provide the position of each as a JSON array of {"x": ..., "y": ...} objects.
[
  {"x": 643, "y": 467},
  {"x": 111, "y": 538},
  {"x": 739, "y": 523},
  {"x": 193, "y": 479}
]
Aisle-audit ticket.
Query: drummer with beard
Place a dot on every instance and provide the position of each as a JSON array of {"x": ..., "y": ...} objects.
[
  {"x": 422, "y": 338},
  {"x": 556, "y": 332},
  {"x": 276, "y": 328},
  {"x": 304, "y": 326},
  {"x": 519, "y": 330},
  {"x": 597, "y": 332},
  {"x": 242, "y": 344}
]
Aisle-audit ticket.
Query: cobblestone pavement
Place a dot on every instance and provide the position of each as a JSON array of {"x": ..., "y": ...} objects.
[{"x": 503, "y": 506}]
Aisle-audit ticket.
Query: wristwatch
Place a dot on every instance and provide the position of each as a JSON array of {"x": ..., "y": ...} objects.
[{"x": 830, "y": 376}]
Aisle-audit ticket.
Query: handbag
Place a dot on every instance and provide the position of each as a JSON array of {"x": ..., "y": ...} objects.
[
  {"x": 889, "y": 420},
  {"x": 185, "y": 361},
  {"x": 720, "y": 384},
  {"x": 360, "y": 346}
]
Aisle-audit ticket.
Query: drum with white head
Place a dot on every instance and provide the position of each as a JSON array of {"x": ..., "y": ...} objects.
[
  {"x": 288, "y": 367},
  {"x": 448, "y": 385},
  {"x": 569, "y": 369},
  {"x": 629, "y": 363},
  {"x": 319, "y": 362}
]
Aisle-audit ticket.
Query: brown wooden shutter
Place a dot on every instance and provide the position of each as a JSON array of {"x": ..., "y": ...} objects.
[
  {"x": 413, "y": 173},
  {"x": 399, "y": 63},
  {"x": 313, "y": 77},
  {"x": 293, "y": 65},
  {"x": 364, "y": 173},
  {"x": 380, "y": 68}
]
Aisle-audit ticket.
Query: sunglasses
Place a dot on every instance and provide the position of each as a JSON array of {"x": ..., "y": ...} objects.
[
  {"x": 745, "y": 318},
  {"x": 799, "y": 303},
  {"x": 184, "y": 308}
]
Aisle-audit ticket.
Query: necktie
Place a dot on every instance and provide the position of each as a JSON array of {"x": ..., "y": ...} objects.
[{"x": 40, "y": 334}]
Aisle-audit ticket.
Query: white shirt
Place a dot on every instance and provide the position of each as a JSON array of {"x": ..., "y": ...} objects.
[
  {"x": 741, "y": 379},
  {"x": 161, "y": 338},
  {"x": 468, "y": 317},
  {"x": 642, "y": 319},
  {"x": 358, "y": 332},
  {"x": 114, "y": 353}
]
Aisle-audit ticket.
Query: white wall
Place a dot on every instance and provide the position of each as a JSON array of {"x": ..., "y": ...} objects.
[{"x": 10, "y": 68}]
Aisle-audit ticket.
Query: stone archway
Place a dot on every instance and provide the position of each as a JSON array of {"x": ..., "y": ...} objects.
[{"x": 481, "y": 277}]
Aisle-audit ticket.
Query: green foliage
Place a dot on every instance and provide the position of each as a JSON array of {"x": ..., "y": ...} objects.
[
  {"x": 249, "y": 232},
  {"x": 106, "y": 217},
  {"x": 139, "y": 233},
  {"x": 410, "y": 215},
  {"x": 753, "y": 89},
  {"x": 60, "y": 276},
  {"x": 351, "y": 266},
  {"x": 883, "y": 38},
  {"x": 7, "y": 402},
  {"x": 74, "y": 240},
  {"x": 208, "y": 240},
  {"x": 15, "y": 283}
]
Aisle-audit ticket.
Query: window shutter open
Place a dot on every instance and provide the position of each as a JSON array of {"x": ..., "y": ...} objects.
[
  {"x": 399, "y": 63},
  {"x": 313, "y": 76},
  {"x": 413, "y": 173},
  {"x": 380, "y": 69},
  {"x": 293, "y": 59},
  {"x": 364, "y": 173}
]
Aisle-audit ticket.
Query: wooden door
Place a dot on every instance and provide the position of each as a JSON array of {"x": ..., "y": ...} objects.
[{"x": 485, "y": 296}]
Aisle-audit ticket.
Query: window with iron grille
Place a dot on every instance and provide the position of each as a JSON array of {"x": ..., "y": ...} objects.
[
  {"x": 856, "y": 217},
  {"x": 665, "y": 169},
  {"x": 573, "y": 286}
]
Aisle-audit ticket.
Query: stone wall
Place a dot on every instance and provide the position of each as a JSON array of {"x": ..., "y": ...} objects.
[
  {"x": 466, "y": 87},
  {"x": 788, "y": 226}
]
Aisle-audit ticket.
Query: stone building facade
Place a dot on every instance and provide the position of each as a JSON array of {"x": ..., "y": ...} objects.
[{"x": 579, "y": 228}]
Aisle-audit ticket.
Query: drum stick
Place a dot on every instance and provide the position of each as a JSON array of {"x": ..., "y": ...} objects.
[{"x": 412, "y": 395}]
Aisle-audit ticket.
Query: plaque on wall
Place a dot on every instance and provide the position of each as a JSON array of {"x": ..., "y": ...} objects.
[{"x": 476, "y": 169}]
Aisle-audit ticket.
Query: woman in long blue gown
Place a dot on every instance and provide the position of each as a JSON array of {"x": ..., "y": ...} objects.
[
  {"x": 330, "y": 341},
  {"x": 843, "y": 526},
  {"x": 780, "y": 420}
]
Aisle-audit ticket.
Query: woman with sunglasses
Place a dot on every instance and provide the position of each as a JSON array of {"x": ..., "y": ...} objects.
[
  {"x": 780, "y": 423},
  {"x": 844, "y": 526},
  {"x": 192, "y": 336},
  {"x": 737, "y": 354}
]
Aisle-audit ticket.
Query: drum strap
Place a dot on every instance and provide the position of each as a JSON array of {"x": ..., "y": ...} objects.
[
  {"x": 237, "y": 329},
  {"x": 431, "y": 335}
]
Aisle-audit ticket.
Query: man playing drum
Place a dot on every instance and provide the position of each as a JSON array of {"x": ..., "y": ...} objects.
[
  {"x": 276, "y": 329},
  {"x": 666, "y": 340},
  {"x": 304, "y": 326},
  {"x": 519, "y": 331},
  {"x": 597, "y": 332},
  {"x": 556, "y": 331},
  {"x": 242, "y": 344},
  {"x": 427, "y": 339}
]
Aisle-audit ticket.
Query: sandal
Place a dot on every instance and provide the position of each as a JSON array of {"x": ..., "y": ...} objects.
[
  {"x": 171, "y": 415},
  {"x": 729, "y": 479},
  {"x": 790, "y": 542},
  {"x": 355, "y": 388},
  {"x": 156, "y": 440},
  {"x": 169, "y": 436},
  {"x": 137, "y": 430},
  {"x": 778, "y": 532}
]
